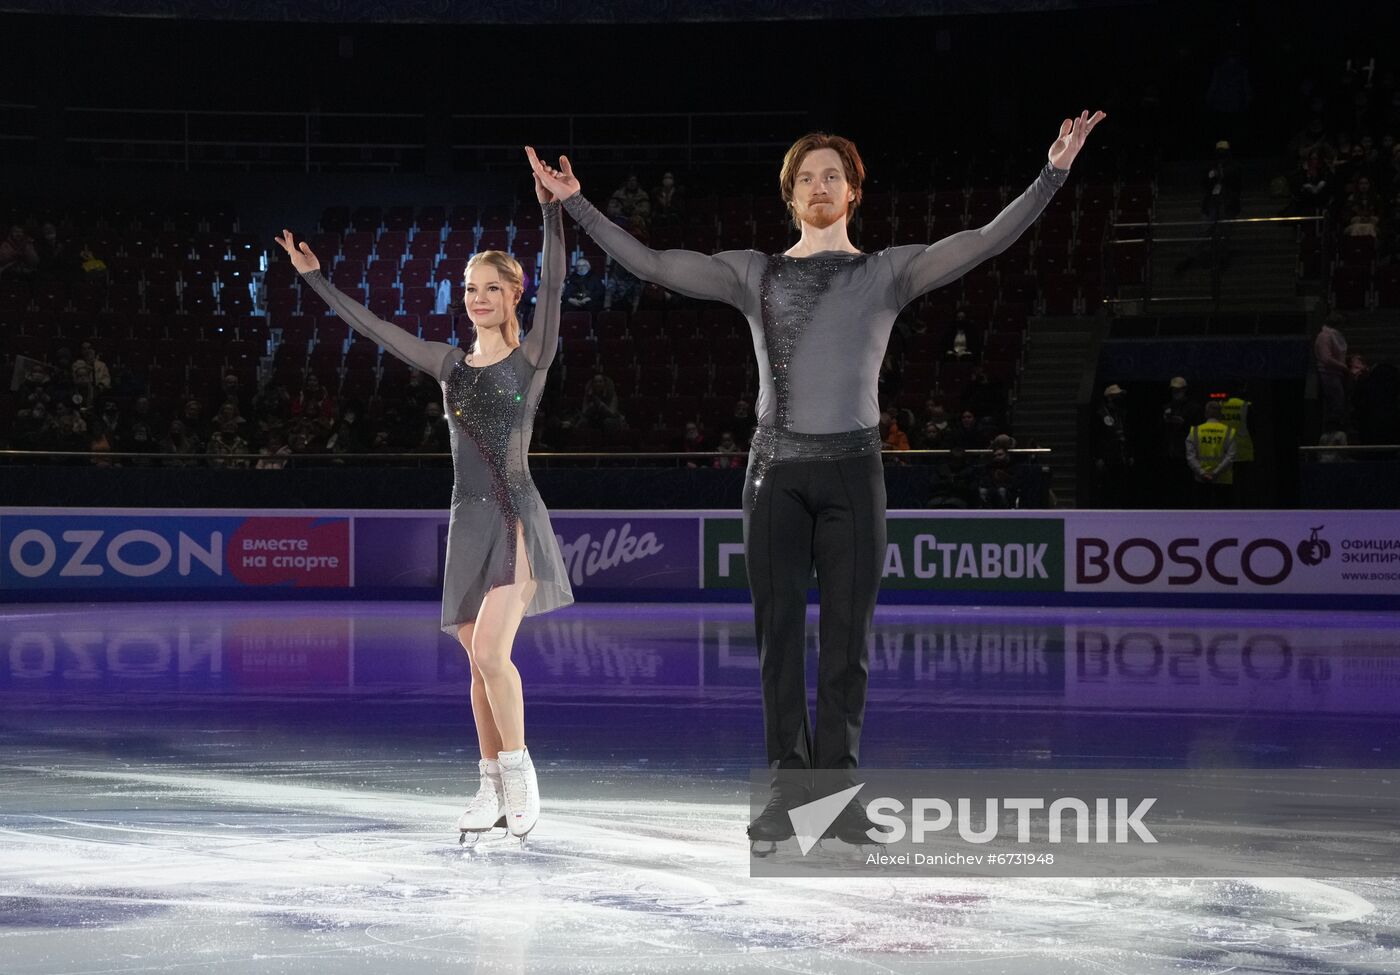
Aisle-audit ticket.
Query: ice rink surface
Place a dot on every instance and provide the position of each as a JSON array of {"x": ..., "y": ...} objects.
[{"x": 255, "y": 788}]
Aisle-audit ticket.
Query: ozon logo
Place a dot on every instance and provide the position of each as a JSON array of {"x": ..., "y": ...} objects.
[
  {"x": 137, "y": 554},
  {"x": 1182, "y": 561}
]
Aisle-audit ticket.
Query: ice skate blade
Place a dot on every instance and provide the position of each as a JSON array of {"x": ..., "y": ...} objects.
[
  {"x": 765, "y": 849},
  {"x": 476, "y": 834}
]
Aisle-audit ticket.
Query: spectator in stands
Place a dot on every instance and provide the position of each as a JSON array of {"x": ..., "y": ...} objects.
[
  {"x": 273, "y": 455},
  {"x": 143, "y": 411},
  {"x": 937, "y": 433},
  {"x": 113, "y": 424},
  {"x": 231, "y": 391},
  {"x": 1313, "y": 138},
  {"x": 101, "y": 375},
  {"x": 316, "y": 400},
  {"x": 139, "y": 439},
  {"x": 69, "y": 430},
  {"x": 890, "y": 434},
  {"x": 629, "y": 203},
  {"x": 1222, "y": 185},
  {"x": 100, "y": 445},
  {"x": 624, "y": 288},
  {"x": 693, "y": 440},
  {"x": 742, "y": 422},
  {"x": 1113, "y": 457},
  {"x": 19, "y": 258},
  {"x": 996, "y": 477},
  {"x": 968, "y": 435},
  {"x": 1333, "y": 438},
  {"x": 56, "y": 260},
  {"x": 1178, "y": 417},
  {"x": 1313, "y": 186},
  {"x": 1210, "y": 454},
  {"x": 600, "y": 406},
  {"x": 192, "y": 419},
  {"x": 734, "y": 456},
  {"x": 433, "y": 435},
  {"x": 82, "y": 391},
  {"x": 224, "y": 442},
  {"x": 1363, "y": 200},
  {"x": 228, "y": 413},
  {"x": 34, "y": 426},
  {"x": 36, "y": 388},
  {"x": 1329, "y": 356},
  {"x": 952, "y": 483},
  {"x": 583, "y": 290},
  {"x": 667, "y": 202},
  {"x": 180, "y": 440}
]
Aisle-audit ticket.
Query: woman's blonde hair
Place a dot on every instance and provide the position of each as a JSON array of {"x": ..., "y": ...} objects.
[{"x": 513, "y": 275}]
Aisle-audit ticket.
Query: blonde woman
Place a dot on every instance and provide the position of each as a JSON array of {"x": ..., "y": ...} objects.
[{"x": 503, "y": 562}]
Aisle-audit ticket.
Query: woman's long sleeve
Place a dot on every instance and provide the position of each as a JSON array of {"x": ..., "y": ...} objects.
[
  {"x": 926, "y": 268},
  {"x": 721, "y": 277},
  {"x": 543, "y": 340},
  {"x": 431, "y": 357}
]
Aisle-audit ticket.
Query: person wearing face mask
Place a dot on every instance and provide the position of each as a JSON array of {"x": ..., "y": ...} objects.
[
  {"x": 820, "y": 315},
  {"x": 503, "y": 561},
  {"x": 583, "y": 290}
]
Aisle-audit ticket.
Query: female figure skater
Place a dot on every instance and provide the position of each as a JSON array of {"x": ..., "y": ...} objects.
[
  {"x": 820, "y": 315},
  {"x": 503, "y": 561}
]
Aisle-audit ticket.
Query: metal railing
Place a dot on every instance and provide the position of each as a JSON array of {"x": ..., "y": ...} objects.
[{"x": 1212, "y": 248}]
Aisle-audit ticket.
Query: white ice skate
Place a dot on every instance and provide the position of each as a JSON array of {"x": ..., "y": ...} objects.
[
  {"x": 522, "y": 793},
  {"x": 486, "y": 810}
]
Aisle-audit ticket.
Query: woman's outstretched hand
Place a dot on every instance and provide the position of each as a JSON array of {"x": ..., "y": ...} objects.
[
  {"x": 1073, "y": 132},
  {"x": 561, "y": 182},
  {"x": 302, "y": 258}
]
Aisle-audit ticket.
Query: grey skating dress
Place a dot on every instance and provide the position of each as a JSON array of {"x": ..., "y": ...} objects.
[{"x": 490, "y": 411}]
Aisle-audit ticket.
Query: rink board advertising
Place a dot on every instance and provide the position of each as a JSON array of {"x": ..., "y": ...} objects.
[{"x": 1228, "y": 557}]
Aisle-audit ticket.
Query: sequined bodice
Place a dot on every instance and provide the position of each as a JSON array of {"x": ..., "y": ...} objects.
[
  {"x": 790, "y": 292},
  {"x": 491, "y": 412}
]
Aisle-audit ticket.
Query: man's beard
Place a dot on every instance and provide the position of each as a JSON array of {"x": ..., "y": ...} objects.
[{"x": 821, "y": 218}]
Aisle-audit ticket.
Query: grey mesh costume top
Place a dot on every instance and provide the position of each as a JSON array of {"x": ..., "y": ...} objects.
[
  {"x": 491, "y": 413},
  {"x": 820, "y": 324}
]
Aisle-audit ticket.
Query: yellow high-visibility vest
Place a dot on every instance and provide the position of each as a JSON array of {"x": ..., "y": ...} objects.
[
  {"x": 1235, "y": 414},
  {"x": 1211, "y": 439}
]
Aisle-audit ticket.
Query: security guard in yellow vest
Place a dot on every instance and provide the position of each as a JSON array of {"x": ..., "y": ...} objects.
[
  {"x": 1210, "y": 453},
  {"x": 1235, "y": 414}
]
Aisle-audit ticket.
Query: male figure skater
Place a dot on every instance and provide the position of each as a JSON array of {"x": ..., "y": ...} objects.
[{"x": 820, "y": 315}]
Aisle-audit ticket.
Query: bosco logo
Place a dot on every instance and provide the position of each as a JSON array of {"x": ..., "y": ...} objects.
[{"x": 1313, "y": 550}]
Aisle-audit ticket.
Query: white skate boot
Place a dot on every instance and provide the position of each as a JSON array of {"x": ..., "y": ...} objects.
[
  {"x": 522, "y": 792},
  {"x": 487, "y": 809}
]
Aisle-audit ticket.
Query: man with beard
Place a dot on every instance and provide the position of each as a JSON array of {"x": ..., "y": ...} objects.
[{"x": 820, "y": 316}]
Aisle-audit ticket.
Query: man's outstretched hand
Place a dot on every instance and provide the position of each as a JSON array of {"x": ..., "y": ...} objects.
[
  {"x": 561, "y": 182},
  {"x": 302, "y": 258},
  {"x": 1073, "y": 132}
]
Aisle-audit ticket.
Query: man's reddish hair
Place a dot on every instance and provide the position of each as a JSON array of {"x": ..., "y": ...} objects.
[{"x": 845, "y": 148}]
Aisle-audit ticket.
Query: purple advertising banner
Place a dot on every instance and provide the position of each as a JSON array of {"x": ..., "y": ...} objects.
[{"x": 649, "y": 550}]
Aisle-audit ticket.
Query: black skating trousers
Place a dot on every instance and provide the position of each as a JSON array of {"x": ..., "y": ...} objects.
[{"x": 827, "y": 513}]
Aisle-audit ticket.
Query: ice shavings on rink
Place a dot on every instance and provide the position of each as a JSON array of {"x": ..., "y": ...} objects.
[{"x": 249, "y": 870}]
